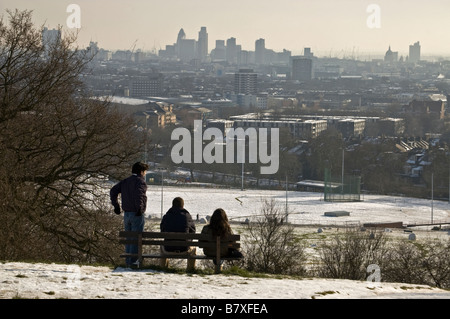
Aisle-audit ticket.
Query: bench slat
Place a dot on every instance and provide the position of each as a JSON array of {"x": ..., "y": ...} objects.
[
  {"x": 166, "y": 235},
  {"x": 179, "y": 256},
  {"x": 178, "y": 243}
]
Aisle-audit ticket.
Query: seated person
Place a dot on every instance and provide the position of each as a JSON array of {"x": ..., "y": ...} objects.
[
  {"x": 219, "y": 226},
  {"x": 177, "y": 219}
]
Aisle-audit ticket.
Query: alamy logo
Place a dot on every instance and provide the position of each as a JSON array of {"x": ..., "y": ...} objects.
[
  {"x": 213, "y": 152},
  {"x": 374, "y": 272},
  {"x": 374, "y": 19},
  {"x": 74, "y": 19}
]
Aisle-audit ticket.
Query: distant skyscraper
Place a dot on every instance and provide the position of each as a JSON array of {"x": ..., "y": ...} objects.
[
  {"x": 301, "y": 68},
  {"x": 186, "y": 49},
  {"x": 260, "y": 51},
  {"x": 202, "y": 45},
  {"x": 414, "y": 52},
  {"x": 181, "y": 35},
  {"x": 218, "y": 53},
  {"x": 245, "y": 82},
  {"x": 231, "y": 51}
]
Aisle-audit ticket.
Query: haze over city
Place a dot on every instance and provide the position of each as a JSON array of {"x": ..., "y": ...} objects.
[{"x": 330, "y": 28}]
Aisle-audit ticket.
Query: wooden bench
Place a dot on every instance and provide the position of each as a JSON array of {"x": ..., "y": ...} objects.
[{"x": 158, "y": 239}]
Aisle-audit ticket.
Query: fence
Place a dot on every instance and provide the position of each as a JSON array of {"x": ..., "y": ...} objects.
[{"x": 342, "y": 188}]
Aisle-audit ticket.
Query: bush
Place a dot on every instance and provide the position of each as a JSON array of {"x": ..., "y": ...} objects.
[
  {"x": 349, "y": 254},
  {"x": 272, "y": 246},
  {"x": 427, "y": 263}
]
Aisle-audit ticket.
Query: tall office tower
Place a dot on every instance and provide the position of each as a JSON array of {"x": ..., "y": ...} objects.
[
  {"x": 231, "y": 51},
  {"x": 218, "y": 53},
  {"x": 260, "y": 51},
  {"x": 202, "y": 45},
  {"x": 181, "y": 36},
  {"x": 301, "y": 68},
  {"x": 187, "y": 49},
  {"x": 245, "y": 82},
  {"x": 414, "y": 52}
]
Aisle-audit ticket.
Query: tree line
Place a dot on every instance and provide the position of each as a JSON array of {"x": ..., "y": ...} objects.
[{"x": 58, "y": 146}]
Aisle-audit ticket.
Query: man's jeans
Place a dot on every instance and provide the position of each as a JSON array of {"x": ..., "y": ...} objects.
[{"x": 132, "y": 223}]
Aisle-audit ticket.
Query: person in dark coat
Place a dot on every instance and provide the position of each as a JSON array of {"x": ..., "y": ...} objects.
[
  {"x": 133, "y": 191},
  {"x": 178, "y": 220}
]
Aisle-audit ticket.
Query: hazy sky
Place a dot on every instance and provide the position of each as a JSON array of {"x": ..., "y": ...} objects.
[{"x": 329, "y": 27}]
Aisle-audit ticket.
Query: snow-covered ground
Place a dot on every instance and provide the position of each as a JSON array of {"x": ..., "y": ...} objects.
[
  {"x": 303, "y": 207},
  {"x": 39, "y": 280},
  {"x": 70, "y": 281}
]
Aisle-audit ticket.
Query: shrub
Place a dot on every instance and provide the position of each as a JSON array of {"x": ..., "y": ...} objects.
[
  {"x": 427, "y": 263},
  {"x": 272, "y": 246},
  {"x": 348, "y": 255}
]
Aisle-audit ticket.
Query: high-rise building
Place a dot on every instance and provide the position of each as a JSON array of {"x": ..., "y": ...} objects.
[
  {"x": 202, "y": 44},
  {"x": 231, "y": 51},
  {"x": 187, "y": 49},
  {"x": 245, "y": 82},
  {"x": 414, "y": 52},
  {"x": 181, "y": 35},
  {"x": 301, "y": 68},
  {"x": 218, "y": 53},
  {"x": 260, "y": 51}
]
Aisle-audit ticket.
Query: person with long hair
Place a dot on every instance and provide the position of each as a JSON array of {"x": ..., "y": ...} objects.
[{"x": 219, "y": 226}]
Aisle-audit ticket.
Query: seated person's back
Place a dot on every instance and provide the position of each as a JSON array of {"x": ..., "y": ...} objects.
[{"x": 177, "y": 220}]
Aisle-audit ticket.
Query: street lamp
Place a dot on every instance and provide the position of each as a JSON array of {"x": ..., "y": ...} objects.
[
  {"x": 243, "y": 161},
  {"x": 162, "y": 190}
]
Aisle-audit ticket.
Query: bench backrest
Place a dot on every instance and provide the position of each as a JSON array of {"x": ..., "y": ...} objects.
[{"x": 177, "y": 239}]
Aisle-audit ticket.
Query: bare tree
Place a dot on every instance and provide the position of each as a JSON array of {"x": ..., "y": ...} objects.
[{"x": 58, "y": 149}]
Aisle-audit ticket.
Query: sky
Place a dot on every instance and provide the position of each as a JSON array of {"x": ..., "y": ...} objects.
[{"x": 335, "y": 28}]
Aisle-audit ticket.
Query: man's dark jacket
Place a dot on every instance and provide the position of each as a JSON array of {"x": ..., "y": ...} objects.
[
  {"x": 177, "y": 220},
  {"x": 134, "y": 194}
]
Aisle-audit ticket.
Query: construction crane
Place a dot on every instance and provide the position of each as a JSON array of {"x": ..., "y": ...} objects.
[{"x": 133, "y": 46}]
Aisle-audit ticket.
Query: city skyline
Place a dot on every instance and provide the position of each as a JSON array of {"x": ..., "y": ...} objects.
[{"x": 330, "y": 28}]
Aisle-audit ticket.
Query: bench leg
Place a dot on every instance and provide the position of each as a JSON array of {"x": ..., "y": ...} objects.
[
  {"x": 218, "y": 268},
  {"x": 190, "y": 265},
  {"x": 164, "y": 263}
]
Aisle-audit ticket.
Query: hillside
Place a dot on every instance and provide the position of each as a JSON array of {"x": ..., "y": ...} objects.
[{"x": 52, "y": 281}]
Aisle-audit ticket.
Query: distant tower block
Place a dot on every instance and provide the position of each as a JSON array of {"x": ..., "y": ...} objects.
[{"x": 414, "y": 52}]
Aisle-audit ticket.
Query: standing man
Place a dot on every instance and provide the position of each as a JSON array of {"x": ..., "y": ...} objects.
[{"x": 133, "y": 192}]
